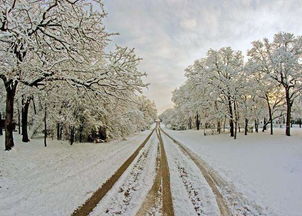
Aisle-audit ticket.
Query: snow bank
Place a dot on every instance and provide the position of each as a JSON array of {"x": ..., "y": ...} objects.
[
  {"x": 35, "y": 180},
  {"x": 265, "y": 169}
]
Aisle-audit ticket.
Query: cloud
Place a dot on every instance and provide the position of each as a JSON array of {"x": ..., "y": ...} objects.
[
  {"x": 170, "y": 34},
  {"x": 188, "y": 24}
]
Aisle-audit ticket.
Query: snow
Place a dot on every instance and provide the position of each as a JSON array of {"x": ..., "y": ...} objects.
[
  {"x": 128, "y": 193},
  {"x": 35, "y": 180},
  {"x": 265, "y": 169},
  {"x": 190, "y": 191}
]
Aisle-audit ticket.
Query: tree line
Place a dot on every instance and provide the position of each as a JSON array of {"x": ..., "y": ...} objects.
[
  {"x": 58, "y": 77},
  {"x": 225, "y": 90}
]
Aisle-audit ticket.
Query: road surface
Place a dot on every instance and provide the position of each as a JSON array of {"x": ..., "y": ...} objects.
[{"x": 164, "y": 177}]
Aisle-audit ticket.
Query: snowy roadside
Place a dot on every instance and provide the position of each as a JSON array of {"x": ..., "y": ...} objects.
[
  {"x": 265, "y": 169},
  {"x": 35, "y": 180}
]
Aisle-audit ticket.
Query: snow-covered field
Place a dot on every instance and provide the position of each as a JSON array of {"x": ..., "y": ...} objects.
[
  {"x": 35, "y": 180},
  {"x": 265, "y": 169}
]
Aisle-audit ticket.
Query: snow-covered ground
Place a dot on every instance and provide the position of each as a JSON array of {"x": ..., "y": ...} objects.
[
  {"x": 128, "y": 193},
  {"x": 265, "y": 169},
  {"x": 190, "y": 191},
  {"x": 35, "y": 180}
]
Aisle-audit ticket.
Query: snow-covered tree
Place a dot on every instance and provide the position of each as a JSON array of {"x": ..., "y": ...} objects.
[
  {"x": 42, "y": 40},
  {"x": 219, "y": 73},
  {"x": 62, "y": 42},
  {"x": 263, "y": 87},
  {"x": 221, "y": 86},
  {"x": 281, "y": 61}
]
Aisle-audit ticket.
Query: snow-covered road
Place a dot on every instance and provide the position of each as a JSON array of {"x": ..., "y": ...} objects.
[
  {"x": 170, "y": 172},
  {"x": 191, "y": 192}
]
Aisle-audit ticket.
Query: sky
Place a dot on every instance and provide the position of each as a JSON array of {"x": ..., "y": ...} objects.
[{"x": 171, "y": 34}]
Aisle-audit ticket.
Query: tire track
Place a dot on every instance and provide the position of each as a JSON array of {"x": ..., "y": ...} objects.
[
  {"x": 151, "y": 204},
  {"x": 223, "y": 208},
  {"x": 192, "y": 192},
  {"x": 128, "y": 190},
  {"x": 161, "y": 188},
  {"x": 168, "y": 209},
  {"x": 97, "y": 196},
  {"x": 237, "y": 204}
]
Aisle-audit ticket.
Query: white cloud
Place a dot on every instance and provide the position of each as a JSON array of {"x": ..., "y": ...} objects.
[
  {"x": 188, "y": 24},
  {"x": 171, "y": 34}
]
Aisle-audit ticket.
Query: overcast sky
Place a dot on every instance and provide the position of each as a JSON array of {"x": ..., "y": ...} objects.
[{"x": 170, "y": 34}]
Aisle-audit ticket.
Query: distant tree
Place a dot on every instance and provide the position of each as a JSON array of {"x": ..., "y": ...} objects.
[
  {"x": 266, "y": 90},
  {"x": 219, "y": 72}
]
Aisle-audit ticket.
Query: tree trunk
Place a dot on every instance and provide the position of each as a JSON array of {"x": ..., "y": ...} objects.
[
  {"x": 246, "y": 126},
  {"x": 81, "y": 128},
  {"x": 1, "y": 133},
  {"x": 59, "y": 131},
  {"x": 45, "y": 126},
  {"x": 218, "y": 127},
  {"x": 25, "y": 107},
  {"x": 264, "y": 125},
  {"x": 270, "y": 113},
  {"x": 197, "y": 121},
  {"x": 231, "y": 118},
  {"x": 236, "y": 122},
  {"x": 19, "y": 121},
  {"x": 81, "y": 136},
  {"x": 272, "y": 125},
  {"x": 190, "y": 123},
  {"x": 235, "y": 131},
  {"x": 289, "y": 104},
  {"x": 71, "y": 135},
  {"x": 256, "y": 125},
  {"x": 11, "y": 87}
]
